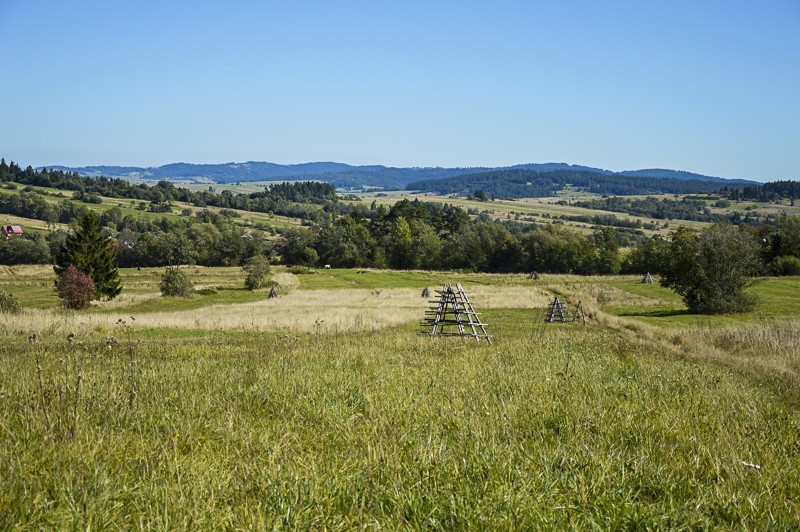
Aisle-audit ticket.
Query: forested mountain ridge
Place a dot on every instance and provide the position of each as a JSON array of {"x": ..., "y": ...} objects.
[
  {"x": 658, "y": 173},
  {"x": 348, "y": 176},
  {"x": 525, "y": 183},
  {"x": 339, "y": 174}
]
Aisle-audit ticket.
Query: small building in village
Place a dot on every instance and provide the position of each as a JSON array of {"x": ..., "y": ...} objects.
[{"x": 12, "y": 230}]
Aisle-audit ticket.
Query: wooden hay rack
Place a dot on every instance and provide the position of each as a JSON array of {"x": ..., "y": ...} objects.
[
  {"x": 557, "y": 313},
  {"x": 452, "y": 314}
]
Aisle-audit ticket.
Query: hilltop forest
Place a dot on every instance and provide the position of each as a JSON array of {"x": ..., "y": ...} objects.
[{"x": 522, "y": 183}]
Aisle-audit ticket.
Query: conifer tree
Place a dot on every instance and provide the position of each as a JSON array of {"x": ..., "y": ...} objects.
[{"x": 94, "y": 254}]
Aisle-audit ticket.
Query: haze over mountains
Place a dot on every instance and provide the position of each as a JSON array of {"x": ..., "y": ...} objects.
[{"x": 349, "y": 176}]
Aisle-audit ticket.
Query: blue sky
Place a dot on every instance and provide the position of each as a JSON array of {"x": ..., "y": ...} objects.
[{"x": 710, "y": 87}]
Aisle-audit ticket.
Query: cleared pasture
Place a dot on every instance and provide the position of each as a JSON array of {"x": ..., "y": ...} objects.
[{"x": 628, "y": 422}]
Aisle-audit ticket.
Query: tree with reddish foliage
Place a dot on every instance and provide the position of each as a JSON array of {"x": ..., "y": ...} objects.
[{"x": 75, "y": 288}]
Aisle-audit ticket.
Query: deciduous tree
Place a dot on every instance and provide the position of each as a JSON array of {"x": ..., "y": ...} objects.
[{"x": 711, "y": 269}]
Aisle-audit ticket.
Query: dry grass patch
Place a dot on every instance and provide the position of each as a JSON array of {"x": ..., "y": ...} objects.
[
  {"x": 30, "y": 273},
  {"x": 286, "y": 280},
  {"x": 483, "y": 296},
  {"x": 772, "y": 347},
  {"x": 322, "y": 311},
  {"x": 126, "y": 299}
]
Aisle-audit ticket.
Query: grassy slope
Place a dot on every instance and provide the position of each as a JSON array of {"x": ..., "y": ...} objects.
[
  {"x": 551, "y": 426},
  {"x": 129, "y": 207}
]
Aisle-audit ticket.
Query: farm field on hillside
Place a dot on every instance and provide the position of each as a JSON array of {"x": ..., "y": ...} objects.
[
  {"x": 326, "y": 408},
  {"x": 542, "y": 210},
  {"x": 132, "y": 207}
]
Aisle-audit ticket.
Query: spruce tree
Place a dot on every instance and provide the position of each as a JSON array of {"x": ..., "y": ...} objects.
[{"x": 94, "y": 254}]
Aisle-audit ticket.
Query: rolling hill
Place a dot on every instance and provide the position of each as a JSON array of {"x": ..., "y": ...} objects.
[{"x": 349, "y": 176}]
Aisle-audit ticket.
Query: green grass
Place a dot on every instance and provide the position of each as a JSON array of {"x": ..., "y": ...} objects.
[
  {"x": 34, "y": 287},
  {"x": 777, "y": 298},
  {"x": 364, "y": 278},
  {"x": 552, "y": 426},
  {"x": 546, "y": 428}
]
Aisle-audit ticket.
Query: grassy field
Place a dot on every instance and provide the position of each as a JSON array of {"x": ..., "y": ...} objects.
[{"x": 324, "y": 408}]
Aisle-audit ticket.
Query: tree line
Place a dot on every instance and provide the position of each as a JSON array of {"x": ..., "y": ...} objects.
[
  {"x": 415, "y": 234},
  {"x": 773, "y": 191},
  {"x": 407, "y": 235}
]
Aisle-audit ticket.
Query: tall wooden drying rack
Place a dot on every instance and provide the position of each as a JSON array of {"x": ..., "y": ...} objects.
[{"x": 454, "y": 308}]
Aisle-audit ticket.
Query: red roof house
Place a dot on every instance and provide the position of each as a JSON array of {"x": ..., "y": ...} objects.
[{"x": 12, "y": 230}]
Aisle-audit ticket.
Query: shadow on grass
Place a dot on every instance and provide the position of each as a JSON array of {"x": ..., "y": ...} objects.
[{"x": 660, "y": 313}]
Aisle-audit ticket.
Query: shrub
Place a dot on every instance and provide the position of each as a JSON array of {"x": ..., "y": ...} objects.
[
  {"x": 206, "y": 292},
  {"x": 785, "y": 265},
  {"x": 257, "y": 269},
  {"x": 75, "y": 288},
  {"x": 175, "y": 283},
  {"x": 9, "y": 304},
  {"x": 299, "y": 270}
]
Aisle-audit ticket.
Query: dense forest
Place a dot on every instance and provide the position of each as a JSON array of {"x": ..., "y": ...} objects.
[
  {"x": 775, "y": 190},
  {"x": 522, "y": 183}
]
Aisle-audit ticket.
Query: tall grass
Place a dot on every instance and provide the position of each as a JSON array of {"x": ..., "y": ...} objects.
[
  {"x": 303, "y": 412},
  {"x": 546, "y": 428},
  {"x": 771, "y": 348}
]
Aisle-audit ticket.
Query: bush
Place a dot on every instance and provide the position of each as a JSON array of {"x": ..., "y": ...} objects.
[
  {"x": 785, "y": 265},
  {"x": 9, "y": 304},
  {"x": 24, "y": 250},
  {"x": 175, "y": 283},
  {"x": 299, "y": 270},
  {"x": 257, "y": 269},
  {"x": 75, "y": 288}
]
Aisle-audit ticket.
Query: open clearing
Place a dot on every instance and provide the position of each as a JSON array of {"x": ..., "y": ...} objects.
[{"x": 324, "y": 408}]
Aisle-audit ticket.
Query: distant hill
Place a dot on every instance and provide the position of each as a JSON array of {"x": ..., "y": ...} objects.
[
  {"x": 348, "y": 176},
  {"x": 522, "y": 182},
  {"x": 660, "y": 173},
  {"x": 340, "y": 174}
]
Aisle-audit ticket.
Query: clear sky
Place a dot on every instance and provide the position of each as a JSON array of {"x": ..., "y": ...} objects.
[{"x": 705, "y": 86}]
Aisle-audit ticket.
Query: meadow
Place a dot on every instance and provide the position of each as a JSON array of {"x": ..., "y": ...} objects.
[{"x": 325, "y": 407}]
